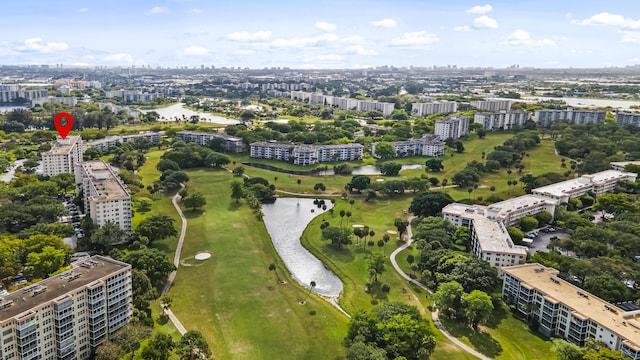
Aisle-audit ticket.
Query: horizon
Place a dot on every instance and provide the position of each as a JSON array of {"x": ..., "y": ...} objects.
[{"x": 332, "y": 34}]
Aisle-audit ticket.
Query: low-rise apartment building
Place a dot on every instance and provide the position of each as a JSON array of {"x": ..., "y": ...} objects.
[
  {"x": 494, "y": 105},
  {"x": 499, "y": 121},
  {"x": 63, "y": 156},
  {"x": 620, "y": 165},
  {"x": 599, "y": 183},
  {"x": 427, "y": 145},
  {"x": 544, "y": 118},
  {"x": 109, "y": 142},
  {"x": 65, "y": 100},
  {"x": 68, "y": 315},
  {"x": 623, "y": 118},
  {"x": 343, "y": 103},
  {"x": 231, "y": 143},
  {"x": 563, "y": 310},
  {"x": 306, "y": 154},
  {"x": 106, "y": 197},
  {"x": 9, "y": 93},
  {"x": 453, "y": 127},
  {"x": 434, "y": 107}
]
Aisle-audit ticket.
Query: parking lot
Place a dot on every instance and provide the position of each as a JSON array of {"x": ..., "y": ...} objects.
[{"x": 541, "y": 241}]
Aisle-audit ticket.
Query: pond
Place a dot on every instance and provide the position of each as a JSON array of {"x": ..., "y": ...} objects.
[
  {"x": 178, "y": 111},
  {"x": 285, "y": 220}
]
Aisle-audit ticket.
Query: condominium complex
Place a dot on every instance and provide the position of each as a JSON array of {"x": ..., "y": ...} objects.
[
  {"x": 599, "y": 183},
  {"x": 454, "y": 127},
  {"x": 68, "y": 315},
  {"x": 627, "y": 119},
  {"x": 130, "y": 96},
  {"x": 306, "y": 154},
  {"x": 63, "y": 156},
  {"x": 502, "y": 120},
  {"x": 564, "y": 310},
  {"x": 427, "y": 145},
  {"x": 10, "y": 93},
  {"x": 65, "y": 100},
  {"x": 508, "y": 211},
  {"x": 109, "y": 142},
  {"x": 343, "y": 103},
  {"x": 231, "y": 143},
  {"x": 544, "y": 118},
  {"x": 492, "y": 105},
  {"x": 106, "y": 197},
  {"x": 434, "y": 107},
  {"x": 620, "y": 165}
]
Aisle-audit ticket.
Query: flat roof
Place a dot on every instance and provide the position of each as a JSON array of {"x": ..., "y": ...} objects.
[
  {"x": 493, "y": 237},
  {"x": 609, "y": 175},
  {"x": 624, "y": 163},
  {"x": 105, "y": 181},
  {"x": 582, "y": 306},
  {"x": 63, "y": 146},
  {"x": 517, "y": 203},
  {"x": 60, "y": 284},
  {"x": 564, "y": 187},
  {"x": 463, "y": 210}
]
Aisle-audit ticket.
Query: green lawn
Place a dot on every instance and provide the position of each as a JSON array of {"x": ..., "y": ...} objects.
[{"x": 233, "y": 299}]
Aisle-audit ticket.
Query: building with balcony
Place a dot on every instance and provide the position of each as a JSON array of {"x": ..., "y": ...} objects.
[
  {"x": 627, "y": 119},
  {"x": 231, "y": 143},
  {"x": 599, "y": 183},
  {"x": 63, "y": 156},
  {"x": 108, "y": 143},
  {"x": 499, "y": 121},
  {"x": 620, "y": 165},
  {"x": 427, "y": 145},
  {"x": 453, "y": 127},
  {"x": 563, "y": 310},
  {"x": 66, "y": 316},
  {"x": 494, "y": 105},
  {"x": 306, "y": 154},
  {"x": 434, "y": 107},
  {"x": 106, "y": 197},
  {"x": 544, "y": 118}
]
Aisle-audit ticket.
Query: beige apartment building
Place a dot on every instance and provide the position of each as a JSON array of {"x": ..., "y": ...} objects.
[
  {"x": 67, "y": 315},
  {"x": 63, "y": 156},
  {"x": 106, "y": 197}
]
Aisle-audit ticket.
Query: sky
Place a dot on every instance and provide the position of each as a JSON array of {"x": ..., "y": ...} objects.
[{"x": 322, "y": 33}]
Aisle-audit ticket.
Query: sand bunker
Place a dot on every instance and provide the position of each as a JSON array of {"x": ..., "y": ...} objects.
[{"x": 203, "y": 256}]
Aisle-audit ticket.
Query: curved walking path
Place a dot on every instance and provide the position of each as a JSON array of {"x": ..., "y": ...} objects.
[
  {"x": 176, "y": 263},
  {"x": 434, "y": 314}
]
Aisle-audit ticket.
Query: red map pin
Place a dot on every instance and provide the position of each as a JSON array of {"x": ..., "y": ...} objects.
[{"x": 63, "y": 129}]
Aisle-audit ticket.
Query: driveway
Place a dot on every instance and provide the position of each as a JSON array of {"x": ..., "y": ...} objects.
[{"x": 542, "y": 240}]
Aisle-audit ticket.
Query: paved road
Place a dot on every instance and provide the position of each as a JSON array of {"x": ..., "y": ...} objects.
[
  {"x": 434, "y": 315},
  {"x": 176, "y": 262}
]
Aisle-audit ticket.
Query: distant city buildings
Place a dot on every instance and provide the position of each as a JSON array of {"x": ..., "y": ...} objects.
[
  {"x": 306, "y": 154},
  {"x": 130, "y": 96},
  {"x": 68, "y": 100},
  {"x": 109, "y": 142},
  {"x": 492, "y": 105},
  {"x": 63, "y": 156},
  {"x": 434, "y": 107},
  {"x": 499, "y": 121},
  {"x": 231, "y": 143},
  {"x": 343, "y": 103},
  {"x": 454, "y": 127},
  {"x": 427, "y": 145},
  {"x": 627, "y": 119},
  {"x": 68, "y": 315},
  {"x": 544, "y": 118},
  {"x": 9, "y": 93},
  {"x": 561, "y": 309},
  {"x": 106, "y": 197}
]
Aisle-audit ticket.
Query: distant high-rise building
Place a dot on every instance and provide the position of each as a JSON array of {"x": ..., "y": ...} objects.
[
  {"x": 434, "y": 107},
  {"x": 502, "y": 120},
  {"x": 454, "y": 127},
  {"x": 627, "y": 119},
  {"x": 544, "y": 118},
  {"x": 492, "y": 105}
]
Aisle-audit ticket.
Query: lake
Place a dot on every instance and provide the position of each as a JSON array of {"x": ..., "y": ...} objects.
[
  {"x": 286, "y": 220},
  {"x": 371, "y": 170},
  {"x": 177, "y": 111}
]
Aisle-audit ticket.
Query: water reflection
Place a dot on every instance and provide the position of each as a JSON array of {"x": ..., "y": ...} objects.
[
  {"x": 285, "y": 221},
  {"x": 178, "y": 111}
]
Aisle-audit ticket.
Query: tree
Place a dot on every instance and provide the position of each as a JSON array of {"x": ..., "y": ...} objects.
[
  {"x": 312, "y": 285},
  {"x": 166, "y": 164},
  {"x": 434, "y": 165},
  {"x": 565, "y": 350},
  {"x": 64, "y": 181},
  {"x": 448, "y": 298},
  {"x": 376, "y": 266},
  {"x": 158, "y": 348},
  {"x": 194, "y": 201},
  {"x": 237, "y": 190},
  {"x": 401, "y": 225},
  {"x": 359, "y": 182},
  {"x": 527, "y": 223},
  {"x": 153, "y": 262},
  {"x": 359, "y": 350},
  {"x": 319, "y": 187},
  {"x": 544, "y": 217},
  {"x": 477, "y": 307},
  {"x": 238, "y": 171},
  {"x": 390, "y": 169},
  {"x": 216, "y": 160},
  {"x": 410, "y": 260},
  {"x": 516, "y": 235},
  {"x": 92, "y": 154},
  {"x": 46, "y": 262},
  {"x": 130, "y": 336},
  {"x": 429, "y": 203},
  {"x": 384, "y": 150},
  {"x": 156, "y": 227},
  {"x": 109, "y": 350},
  {"x": 606, "y": 287},
  {"x": 192, "y": 346},
  {"x": 615, "y": 203},
  {"x": 459, "y": 147},
  {"x": 103, "y": 239}
]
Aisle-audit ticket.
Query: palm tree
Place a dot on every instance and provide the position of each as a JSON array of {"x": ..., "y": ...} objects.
[
  {"x": 313, "y": 285},
  {"x": 509, "y": 174},
  {"x": 351, "y": 202},
  {"x": 470, "y": 190},
  {"x": 348, "y": 216},
  {"x": 444, "y": 183},
  {"x": 299, "y": 181},
  {"x": 272, "y": 267},
  {"x": 342, "y": 214}
]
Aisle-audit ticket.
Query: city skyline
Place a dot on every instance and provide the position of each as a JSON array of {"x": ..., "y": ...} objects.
[{"x": 329, "y": 34}]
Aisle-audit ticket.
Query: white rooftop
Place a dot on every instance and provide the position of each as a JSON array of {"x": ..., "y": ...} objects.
[
  {"x": 516, "y": 203},
  {"x": 493, "y": 237}
]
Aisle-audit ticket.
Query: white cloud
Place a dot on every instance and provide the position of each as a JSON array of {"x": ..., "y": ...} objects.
[
  {"x": 195, "y": 51},
  {"x": 355, "y": 39},
  {"x": 84, "y": 64},
  {"x": 521, "y": 37},
  {"x": 385, "y": 23},
  {"x": 325, "y": 26},
  {"x": 196, "y": 11},
  {"x": 119, "y": 58},
  {"x": 83, "y": 10},
  {"x": 630, "y": 36},
  {"x": 480, "y": 9},
  {"x": 41, "y": 46},
  {"x": 463, "y": 28},
  {"x": 244, "y": 52},
  {"x": 298, "y": 43},
  {"x": 158, "y": 10},
  {"x": 324, "y": 58},
  {"x": 360, "y": 50},
  {"x": 247, "y": 36},
  {"x": 485, "y": 22},
  {"x": 415, "y": 39},
  {"x": 605, "y": 18}
]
